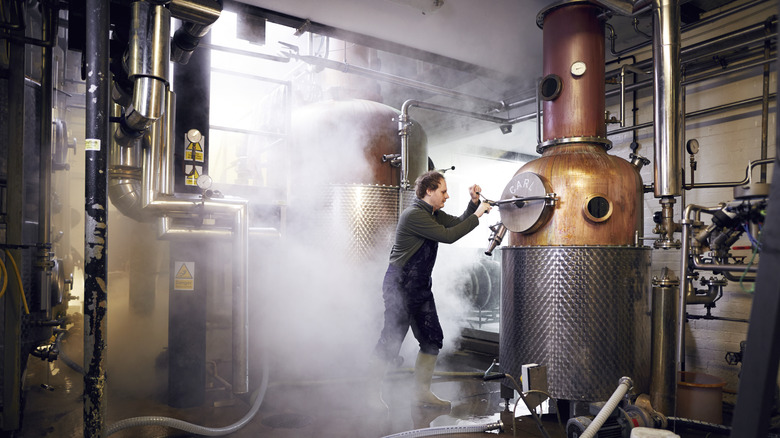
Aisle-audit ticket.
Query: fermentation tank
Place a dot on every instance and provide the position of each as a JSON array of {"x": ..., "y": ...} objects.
[{"x": 574, "y": 280}]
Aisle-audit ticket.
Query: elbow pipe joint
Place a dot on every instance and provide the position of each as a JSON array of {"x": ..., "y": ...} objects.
[{"x": 198, "y": 16}]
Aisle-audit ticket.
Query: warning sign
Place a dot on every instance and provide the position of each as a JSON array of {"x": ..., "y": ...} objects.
[
  {"x": 194, "y": 152},
  {"x": 184, "y": 278},
  {"x": 193, "y": 173}
]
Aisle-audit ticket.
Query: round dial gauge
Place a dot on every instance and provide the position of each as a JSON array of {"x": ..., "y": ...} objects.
[
  {"x": 578, "y": 68},
  {"x": 204, "y": 182},
  {"x": 692, "y": 146}
]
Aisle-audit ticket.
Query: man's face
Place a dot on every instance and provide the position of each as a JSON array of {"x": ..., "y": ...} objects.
[{"x": 439, "y": 196}]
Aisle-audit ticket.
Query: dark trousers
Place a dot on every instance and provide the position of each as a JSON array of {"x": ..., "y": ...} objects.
[{"x": 409, "y": 303}]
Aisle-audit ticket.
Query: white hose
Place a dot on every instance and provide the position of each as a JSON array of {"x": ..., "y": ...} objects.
[
  {"x": 194, "y": 428},
  {"x": 446, "y": 430},
  {"x": 606, "y": 411}
]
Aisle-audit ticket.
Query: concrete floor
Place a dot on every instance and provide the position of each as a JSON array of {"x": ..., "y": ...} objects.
[{"x": 291, "y": 409}]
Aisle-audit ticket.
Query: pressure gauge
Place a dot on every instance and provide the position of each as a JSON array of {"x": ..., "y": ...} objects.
[
  {"x": 578, "y": 69},
  {"x": 692, "y": 146},
  {"x": 204, "y": 182}
]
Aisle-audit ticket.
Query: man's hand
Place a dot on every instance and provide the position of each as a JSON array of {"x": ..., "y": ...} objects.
[
  {"x": 483, "y": 208},
  {"x": 474, "y": 192}
]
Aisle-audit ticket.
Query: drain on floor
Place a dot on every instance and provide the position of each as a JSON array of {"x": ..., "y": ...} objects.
[{"x": 287, "y": 421}]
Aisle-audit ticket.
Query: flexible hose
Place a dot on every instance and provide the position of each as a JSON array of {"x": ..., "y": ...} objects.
[
  {"x": 65, "y": 358},
  {"x": 606, "y": 411},
  {"x": 18, "y": 279},
  {"x": 194, "y": 428},
  {"x": 4, "y": 273},
  {"x": 446, "y": 430}
]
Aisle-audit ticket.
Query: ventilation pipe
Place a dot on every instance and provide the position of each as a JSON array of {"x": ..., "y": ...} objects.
[
  {"x": 147, "y": 64},
  {"x": 198, "y": 16}
]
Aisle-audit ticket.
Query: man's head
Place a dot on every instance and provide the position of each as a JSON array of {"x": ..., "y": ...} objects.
[{"x": 432, "y": 188}]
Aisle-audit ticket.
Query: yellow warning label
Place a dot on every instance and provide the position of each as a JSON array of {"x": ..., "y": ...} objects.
[
  {"x": 193, "y": 172},
  {"x": 184, "y": 278},
  {"x": 194, "y": 152},
  {"x": 183, "y": 272},
  {"x": 92, "y": 144}
]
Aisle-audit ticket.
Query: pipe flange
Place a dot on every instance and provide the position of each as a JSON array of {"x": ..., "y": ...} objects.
[{"x": 601, "y": 141}]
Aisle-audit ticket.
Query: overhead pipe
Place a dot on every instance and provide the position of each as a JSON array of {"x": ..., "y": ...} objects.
[
  {"x": 746, "y": 36},
  {"x": 490, "y": 105},
  {"x": 684, "y": 28},
  {"x": 198, "y": 17},
  {"x": 403, "y": 125},
  {"x": 629, "y": 8},
  {"x": 96, "y": 209}
]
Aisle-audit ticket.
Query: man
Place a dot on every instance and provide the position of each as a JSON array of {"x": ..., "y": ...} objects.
[{"x": 406, "y": 289}]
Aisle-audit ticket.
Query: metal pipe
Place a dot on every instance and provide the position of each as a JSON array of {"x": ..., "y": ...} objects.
[
  {"x": 663, "y": 379},
  {"x": 680, "y": 298},
  {"x": 203, "y": 12},
  {"x": 666, "y": 102},
  {"x": 167, "y": 230},
  {"x": 765, "y": 105},
  {"x": 686, "y": 223},
  {"x": 44, "y": 263},
  {"x": 96, "y": 220},
  {"x": 699, "y": 264},
  {"x": 714, "y": 289},
  {"x": 148, "y": 63},
  {"x": 699, "y": 113},
  {"x": 685, "y": 28},
  {"x": 746, "y": 180},
  {"x": 490, "y": 105},
  {"x": 198, "y": 17},
  {"x": 157, "y": 198}
]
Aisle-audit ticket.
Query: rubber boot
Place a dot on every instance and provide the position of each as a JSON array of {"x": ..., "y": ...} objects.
[{"x": 423, "y": 373}]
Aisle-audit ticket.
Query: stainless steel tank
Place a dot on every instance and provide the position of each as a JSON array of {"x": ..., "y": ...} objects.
[{"x": 574, "y": 283}]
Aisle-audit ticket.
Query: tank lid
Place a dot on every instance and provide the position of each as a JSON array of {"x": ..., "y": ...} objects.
[{"x": 555, "y": 6}]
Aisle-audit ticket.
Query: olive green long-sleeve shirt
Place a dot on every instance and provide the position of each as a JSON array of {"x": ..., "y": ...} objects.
[{"x": 419, "y": 222}]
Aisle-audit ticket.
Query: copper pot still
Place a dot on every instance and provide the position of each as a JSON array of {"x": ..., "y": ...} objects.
[
  {"x": 573, "y": 280},
  {"x": 599, "y": 196}
]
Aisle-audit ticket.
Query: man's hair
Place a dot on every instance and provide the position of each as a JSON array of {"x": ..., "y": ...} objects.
[{"x": 427, "y": 181}]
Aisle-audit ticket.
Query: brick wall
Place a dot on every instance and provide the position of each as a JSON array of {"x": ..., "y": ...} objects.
[{"x": 728, "y": 141}]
